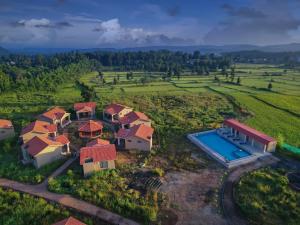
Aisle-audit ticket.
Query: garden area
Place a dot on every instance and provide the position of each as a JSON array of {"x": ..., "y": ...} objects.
[
  {"x": 266, "y": 192},
  {"x": 22, "y": 209}
]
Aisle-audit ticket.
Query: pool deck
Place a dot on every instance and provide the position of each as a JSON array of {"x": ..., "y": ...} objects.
[{"x": 228, "y": 164}]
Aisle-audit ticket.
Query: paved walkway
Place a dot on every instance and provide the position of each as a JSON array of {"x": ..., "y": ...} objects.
[
  {"x": 68, "y": 201},
  {"x": 230, "y": 210}
]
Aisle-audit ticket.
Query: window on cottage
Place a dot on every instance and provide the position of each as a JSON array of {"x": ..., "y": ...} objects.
[
  {"x": 128, "y": 140},
  {"x": 88, "y": 160},
  {"x": 103, "y": 164},
  {"x": 139, "y": 141}
]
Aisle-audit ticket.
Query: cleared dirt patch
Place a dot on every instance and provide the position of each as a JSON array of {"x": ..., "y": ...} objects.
[{"x": 193, "y": 196}]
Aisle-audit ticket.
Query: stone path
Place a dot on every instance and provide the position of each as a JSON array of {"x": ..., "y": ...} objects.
[{"x": 230, "y": 210}]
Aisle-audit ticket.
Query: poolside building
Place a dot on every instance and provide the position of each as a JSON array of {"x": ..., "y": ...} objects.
[
  {"x": 42, "y": 150},
  {"x": 134, "y": 118},
  {"x": 6, "y": 129},
  {"x": 248, "y": 136},
  {"x": 69, "y": 221},
  {"x": 56, "y": 116},
  {"x": 37, "y": 128},
  {"x": 113, "y": 112},
  {"x": 90, "y": 129},
  {"x": 138, "y": 137},
  {"x": 85, "y": 110},
  {"x": 97, "y": 157}
]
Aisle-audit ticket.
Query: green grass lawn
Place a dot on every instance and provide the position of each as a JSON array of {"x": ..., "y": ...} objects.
[{"x": 267, "y": 193}]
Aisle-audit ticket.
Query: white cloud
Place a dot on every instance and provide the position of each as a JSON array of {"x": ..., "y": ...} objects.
[{"x": 34, "y": 22}]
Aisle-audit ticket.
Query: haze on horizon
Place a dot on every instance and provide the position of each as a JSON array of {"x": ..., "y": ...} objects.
[{"x": 134, "y": 23}]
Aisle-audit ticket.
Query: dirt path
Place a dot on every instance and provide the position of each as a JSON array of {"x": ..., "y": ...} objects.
[
  {"x": 191, "y": 195},
  {"x": 68, "y": 201},
  {"x": 230, "y": 210}
]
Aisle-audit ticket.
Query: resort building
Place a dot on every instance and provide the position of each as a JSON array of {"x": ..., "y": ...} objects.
[
  {"x": 6, "y": 129},
  {"x": 248, "y": 136},
  {"x": 138, "y": 137},
  {"x": 134, "y": 118},
  {"x": 69, "y": 221},
  {"x": 97, "y": 142},
  {"x": 37, "y": 128},
  {"x": 113, "y": 112},
  {"x": 42, "y": 150},
  {"x": 98, "y": 157},
  {"x": 90, "y": 129},
  {"x": 85, "y": 110},
  {"x": 56, "y": 116}
]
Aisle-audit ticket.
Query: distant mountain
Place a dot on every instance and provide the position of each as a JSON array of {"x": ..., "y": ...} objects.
[
  {"x": 293, "y": 47},
  {"x": 3, "y": 51}
]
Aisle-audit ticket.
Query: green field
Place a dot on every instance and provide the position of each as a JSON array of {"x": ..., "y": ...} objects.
[{"x": 275, "y": 112}]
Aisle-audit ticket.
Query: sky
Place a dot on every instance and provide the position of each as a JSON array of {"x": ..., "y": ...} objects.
[{"x": 135, "y": 23}]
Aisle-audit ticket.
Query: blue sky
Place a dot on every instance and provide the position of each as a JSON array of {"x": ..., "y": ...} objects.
[{"x": 131, "y": 23}]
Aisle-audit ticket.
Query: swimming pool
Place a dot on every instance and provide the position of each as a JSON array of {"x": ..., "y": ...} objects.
[{"x": 221, "y": 146}]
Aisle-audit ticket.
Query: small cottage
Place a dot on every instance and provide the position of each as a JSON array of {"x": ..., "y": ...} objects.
[
  {"x": 90, "y": 129},
  {"x": 42, "y": 150},
  {"x": 6, "y": 129},
  {"x": 85, "y": 110},
  {"x": 138, "y": 137},
  {"x": 113, "y": 112},
  {"x": 98, "y": 157},
  {"x": 134, "y": 118},
  {"x": 56, "y": 116},
  {"x": 69, "y": 221}
]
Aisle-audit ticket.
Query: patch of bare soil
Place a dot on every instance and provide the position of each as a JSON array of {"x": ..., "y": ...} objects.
[{"x": 193, "y": 196}]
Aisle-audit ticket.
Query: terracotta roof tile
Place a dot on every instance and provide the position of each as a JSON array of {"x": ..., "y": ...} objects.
[
  {"x": 40, "y": 127},
  {"x": 55, "y": 113},
  {"x": 98, "y": 153},
  {"x": 62, "y": 139},
  {"x": 259, "y": 136},
  {"x": 91, "y": 126},
  {"x": 69, "y": 221},
  {"x": 141, "y": 131},
  {"x": 5, "y": 123},
  {"x": 132, "y": 117},
  {"x": 97, "y": 142},
  {"x": 38, "y": 144},
  {"x": 80, "y": 105},
  {"x": 114, "y": 108}
]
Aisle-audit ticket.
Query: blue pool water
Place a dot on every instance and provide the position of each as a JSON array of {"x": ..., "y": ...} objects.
[{"x": 221, "y": 146}]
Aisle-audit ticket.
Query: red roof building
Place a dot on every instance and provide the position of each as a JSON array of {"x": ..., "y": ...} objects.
[
  {"x": 97, "y": 158},
  {"x": 57, "y": 116},
  {"x": 114, "y": 112},
  {"x": 69, "y": 221},
  {"x": 6, "y": 129},
  {"x": 40, "y": 127},
  {"x": 251, "y": 136},
  {"x": 134, "y": 118},
  {"x": 5, "y": 124},
  {"x": 90, "y": 129},
  {"x": 85, "y": 110},
  {"x": 97, "y": 142},
  {"x": 137, "y": 137}
]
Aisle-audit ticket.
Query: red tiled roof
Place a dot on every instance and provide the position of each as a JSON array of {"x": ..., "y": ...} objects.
[
  {"x": 85, "y": 109},
  {"x": 62, "y": 139},
  {"x": 5, "y": 123},
  {"x": 257, "y": 135},
  {"x": 40, "y": 127},
  {"x": 38, "y": 144},
  {"x": 114, "y": 108},
  {"x": 97, "y": 142},
  {"x": 98, "y": 153},
  {"x": 133, "y": 116},
  {"x": 80, "y": 105},
  {"x": 69, "y": 221},
  {"x": 141, "y": 131},
  {"x": 55, "y": 113},
  {"x": 91, "y": 126}
]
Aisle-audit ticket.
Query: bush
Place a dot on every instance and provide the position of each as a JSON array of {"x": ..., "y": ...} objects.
[{"x": 159, "y": 172}]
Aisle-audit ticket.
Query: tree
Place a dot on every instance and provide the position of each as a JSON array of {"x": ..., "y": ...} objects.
[
  {"x": 115, "y": 81},
  {"x": 238, "y": 81},
  {"x": 270, "y": 86}
]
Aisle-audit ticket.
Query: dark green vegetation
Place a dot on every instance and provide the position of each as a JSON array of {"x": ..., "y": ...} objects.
[
  {"x": 23, "y": 209},
  {"x": 265, "y": 197},
  {"x": 113, "y": 194},
  {"x": 11, "y": 167}
]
